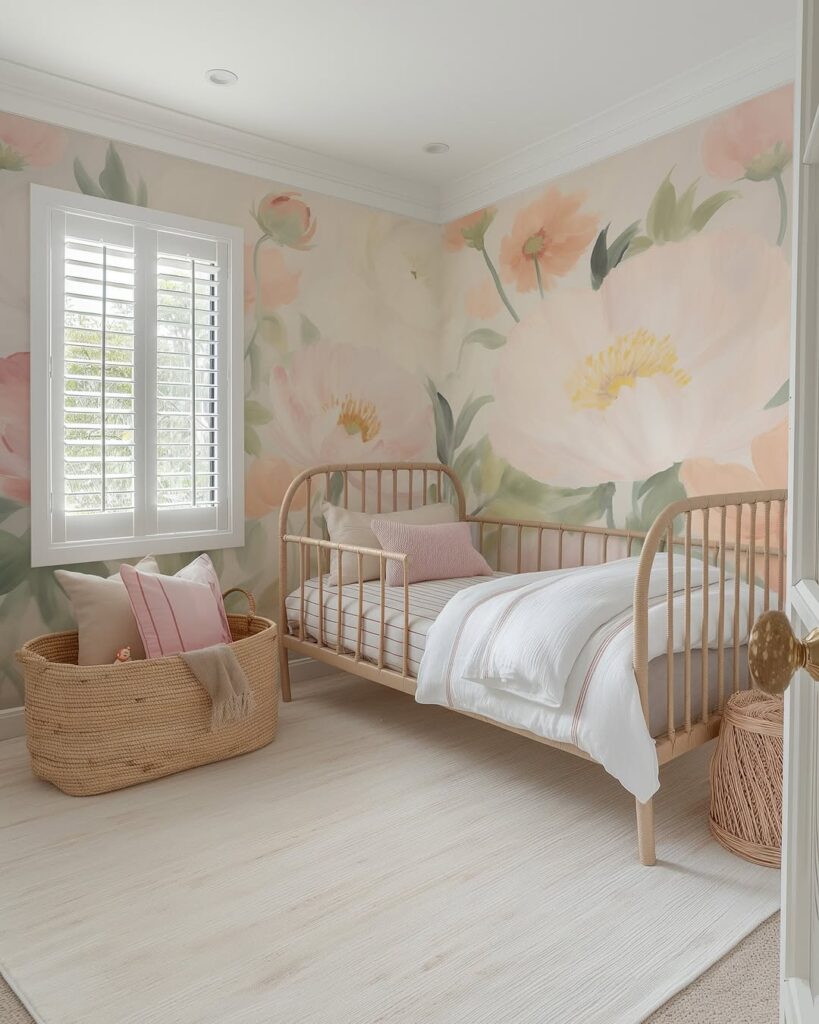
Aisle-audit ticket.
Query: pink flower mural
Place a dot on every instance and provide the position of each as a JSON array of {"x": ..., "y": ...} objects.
[
  {"x": 265, "y": 483},
  {"x": 14, "y": 427},
  {"x": 619, "y": 384},
  {"x": 768, "y": 471},
  {"x": 277, "y": 286},
  {"x": 547, "y": 238},
  {"x": 340, "y": 403},
  {"x": 286, "y": 219},
  {"x": 754, "y": 141},
  {"x": 25, "y": 143},
  {"x": 469, "y": 230}
]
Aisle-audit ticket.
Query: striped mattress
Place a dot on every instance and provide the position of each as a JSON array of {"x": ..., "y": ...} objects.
[{"x": 427, "y": 600}]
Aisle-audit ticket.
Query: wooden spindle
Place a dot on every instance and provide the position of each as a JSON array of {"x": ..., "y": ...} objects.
[
  {"x": 340, "y": 571},
  {"x": 706, "y": 629},
  {"x": 382, "y": 577},
  {"x": 721, "y": 621},
  {"x": 767, "y": 557},
  {"x": 406, "y": 616},
  {"x": 780, "y": 596},
  {"x": 520, "y": 548},
  {"x": 669, "y": 644},
  {"x": 360, "y": 618},
  {"x": 737, "y": 592},
  {"x": 687, "y": 622}
]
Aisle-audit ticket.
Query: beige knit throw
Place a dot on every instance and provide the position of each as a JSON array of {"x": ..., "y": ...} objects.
[{"x": 222, "y": 676}]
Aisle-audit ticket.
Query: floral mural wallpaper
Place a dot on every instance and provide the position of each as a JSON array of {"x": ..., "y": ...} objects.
[{"x": 586, "y": 351}]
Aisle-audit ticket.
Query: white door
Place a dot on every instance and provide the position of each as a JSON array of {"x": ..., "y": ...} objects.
[{"x": 800, "y": 855}]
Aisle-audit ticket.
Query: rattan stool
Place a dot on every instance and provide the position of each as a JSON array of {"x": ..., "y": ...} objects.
[{"x": 746, "y": 778}]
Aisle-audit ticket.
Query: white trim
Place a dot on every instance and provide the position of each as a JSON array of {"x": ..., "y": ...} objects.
[
  {"x": 748, "y": 70},
  {"x": 12, "y": 723},
  {"x": 303, "y": 669},
  {"x": 105, "y": 538},
  {"x": 86, "y": 108}
]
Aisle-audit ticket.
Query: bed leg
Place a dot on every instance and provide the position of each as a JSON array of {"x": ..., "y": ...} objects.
[
  {"x": 284, "y": 672},
  {"x": 645, "y": 832}
]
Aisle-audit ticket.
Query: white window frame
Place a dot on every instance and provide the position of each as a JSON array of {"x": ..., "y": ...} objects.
[{"x": 160, "y": 536}]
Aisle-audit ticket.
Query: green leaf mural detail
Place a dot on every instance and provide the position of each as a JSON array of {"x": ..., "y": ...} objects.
[
  {"x": 650, "y": 497},
  {"x": 708, "y": 207},
  {"x": 444, "y": 424},
  {"x": 256, "y": 414},
  {"x": 670, "y": 219},
  {"x": 84, "y": 181},
  {"x": 253, "y": 446},
  {"x": 15, "y": 559},
  {"x": 8, "y": 508},
  {"x": 781, "y": 397},
  {"x": 660, "y": 216},
  {"x": 485, "y": 337},
  {"x": 310, "y": 334},
  {"x": 465, "y": 417},
  {"x": 604, "y": 257},
  {"x": 638, "y": 244},
  {"x": 113, "y": 181},
  {"x": 520, "y": 496}
]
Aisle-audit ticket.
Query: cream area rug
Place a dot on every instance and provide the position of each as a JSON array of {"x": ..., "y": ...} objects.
[{"x": 380, "y": 862}]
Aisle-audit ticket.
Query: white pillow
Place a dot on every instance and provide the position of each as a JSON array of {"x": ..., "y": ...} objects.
[
  {"x": 347, "y": 527},
  {"x": 102, "y": 610}
]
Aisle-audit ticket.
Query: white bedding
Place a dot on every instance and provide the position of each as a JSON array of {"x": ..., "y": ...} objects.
[{"x": 595, "y": 703}]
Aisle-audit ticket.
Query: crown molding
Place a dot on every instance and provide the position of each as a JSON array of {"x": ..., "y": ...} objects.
[
  {"x": 748, "y": 70},
  {"x": 30, "y": 92}
]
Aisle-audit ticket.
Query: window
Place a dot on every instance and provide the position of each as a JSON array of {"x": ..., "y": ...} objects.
[{"x": 136, "y": 381}]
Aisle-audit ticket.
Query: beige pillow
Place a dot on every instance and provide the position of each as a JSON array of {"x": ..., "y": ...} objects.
[
  {"x": 347, "y": 527},
  {"x": 102, "y": 610}
]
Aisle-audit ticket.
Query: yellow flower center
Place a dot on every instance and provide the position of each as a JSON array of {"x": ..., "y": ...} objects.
[
  {"x": 597, "y": 381},
  {"x": 357, "y": 416}
]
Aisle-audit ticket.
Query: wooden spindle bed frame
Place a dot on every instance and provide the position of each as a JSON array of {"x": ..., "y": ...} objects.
[{"x": 387, "y": 487}]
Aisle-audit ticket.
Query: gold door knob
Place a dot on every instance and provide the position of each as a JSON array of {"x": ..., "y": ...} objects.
[{"x": 775, "y": 653}]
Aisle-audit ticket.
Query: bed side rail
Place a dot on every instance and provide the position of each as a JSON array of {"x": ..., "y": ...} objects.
[
  {"x": 529, "y": 545},
  {"x": 732, "y": 540}
]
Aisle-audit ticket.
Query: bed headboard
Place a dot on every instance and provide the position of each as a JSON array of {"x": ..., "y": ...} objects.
[{"x": 372, "y": 487}]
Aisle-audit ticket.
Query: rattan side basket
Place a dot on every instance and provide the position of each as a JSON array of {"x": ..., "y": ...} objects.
[{"x": 95, "y": 728}]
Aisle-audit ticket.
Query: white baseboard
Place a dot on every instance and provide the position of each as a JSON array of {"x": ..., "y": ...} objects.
[
  {"x": 302, "y": 669},
  {"x": 12, "y": 720},
  {"x": 12, "y": 723}
]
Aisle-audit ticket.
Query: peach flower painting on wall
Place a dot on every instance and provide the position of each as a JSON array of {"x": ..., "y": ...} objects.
[{"x": 619, "y": 360}]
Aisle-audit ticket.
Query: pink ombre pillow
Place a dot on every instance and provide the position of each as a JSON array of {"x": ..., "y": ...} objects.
[
  {"x": 439, "y": 552},
  {"x": 175, "y": 613}
]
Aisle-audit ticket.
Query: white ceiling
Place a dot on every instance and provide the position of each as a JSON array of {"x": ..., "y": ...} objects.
[{"x": 368, "y": 82}]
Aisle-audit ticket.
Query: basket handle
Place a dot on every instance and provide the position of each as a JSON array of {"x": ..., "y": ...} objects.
[{"x": 251, "y": 600}]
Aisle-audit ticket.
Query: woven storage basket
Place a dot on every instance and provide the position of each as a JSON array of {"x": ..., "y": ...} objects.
[
  {"x": 746, "y": 778},
  {"x": 96, "y": 728}
]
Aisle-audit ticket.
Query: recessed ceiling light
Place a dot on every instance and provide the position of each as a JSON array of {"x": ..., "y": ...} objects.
[
  {"x": 436, "y": 147},
  {"x": 221, "y": 76}
]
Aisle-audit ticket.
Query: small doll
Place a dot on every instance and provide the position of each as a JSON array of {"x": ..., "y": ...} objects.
[{"x": 122, "y": 655}]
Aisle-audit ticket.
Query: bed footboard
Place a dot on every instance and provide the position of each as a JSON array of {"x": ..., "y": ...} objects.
[{"x": 724, "y": 558}]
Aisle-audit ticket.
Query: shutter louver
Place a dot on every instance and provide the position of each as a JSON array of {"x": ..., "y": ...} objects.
[
  {"x": 98, "y": 376},
  {"x": 187, "y": 387}
]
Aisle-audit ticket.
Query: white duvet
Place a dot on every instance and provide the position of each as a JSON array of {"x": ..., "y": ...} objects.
[{"x": 551, "y": 653}]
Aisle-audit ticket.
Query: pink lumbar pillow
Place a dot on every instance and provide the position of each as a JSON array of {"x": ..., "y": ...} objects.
[
  {"x": 177, "y": 613},
  {"x": 439, "y": 552}
]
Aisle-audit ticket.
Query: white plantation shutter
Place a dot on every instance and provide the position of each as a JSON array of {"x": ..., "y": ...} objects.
[{"x": 142, "y": 424}]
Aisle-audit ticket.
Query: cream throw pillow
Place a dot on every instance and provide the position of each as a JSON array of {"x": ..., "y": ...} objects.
[
  {"x": 347, "y": 527},
  {"x": 103, "y": 613}
]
